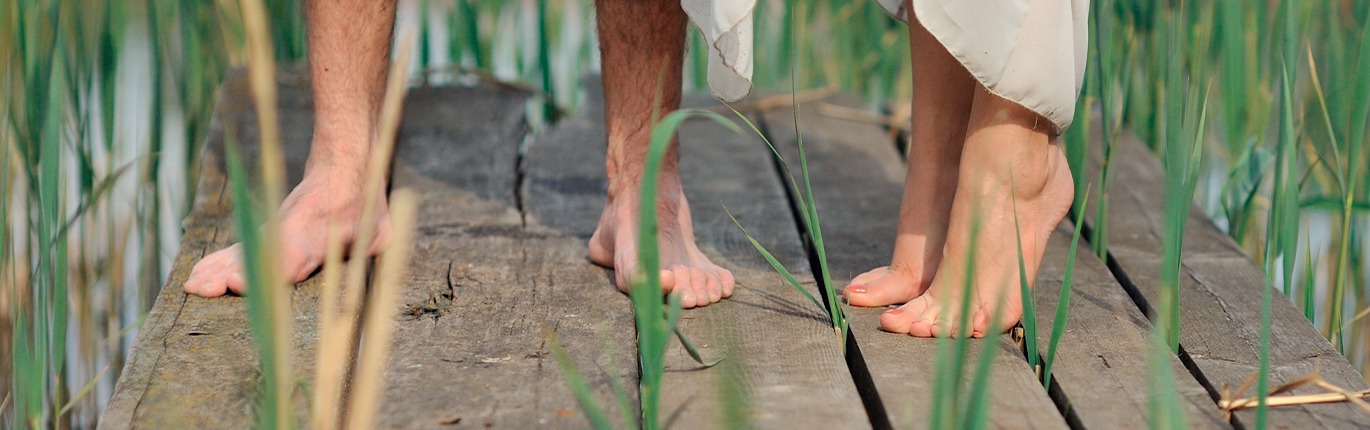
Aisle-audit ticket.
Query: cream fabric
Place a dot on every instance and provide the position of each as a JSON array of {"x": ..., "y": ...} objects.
[
  {"x": 1029, "y": 51},
  {"x": 727, "y": 29}
]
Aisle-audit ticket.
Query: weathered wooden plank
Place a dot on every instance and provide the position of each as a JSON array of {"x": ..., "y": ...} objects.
[
  {"x": 483, "y": 293},
  {"x": 857, "y": 181},
  {"x": 1103, "y": 357},
  {"x": 796, "y": 379},
  {"x": 1220, "y": 312},
  {"x": 209, "y": 338}
]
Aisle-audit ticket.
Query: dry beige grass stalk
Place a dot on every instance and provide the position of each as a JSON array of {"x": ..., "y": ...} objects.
[
  {"x": 333, "y": 356},
  {"x": 778, "y": 101},
  {"x": 382, "y": 308},
  {"x": 261, "y": 69},
  {"x": 340, "y": 307},
  {"x": 1334, "y": 394}
]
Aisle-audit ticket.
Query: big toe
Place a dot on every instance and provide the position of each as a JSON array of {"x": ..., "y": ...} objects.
[
  {"x": 207, "y": 278},
  {"x": 236, "y": 282},
  {"x": 918, "y": 317},
  {"x": 871, "y": 275},
  {"x": 901, "y": 319},
  {"x": 880, "y": 291}
]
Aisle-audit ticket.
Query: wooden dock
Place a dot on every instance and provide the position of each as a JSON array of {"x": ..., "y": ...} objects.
[{"x": 500, "y": 259}]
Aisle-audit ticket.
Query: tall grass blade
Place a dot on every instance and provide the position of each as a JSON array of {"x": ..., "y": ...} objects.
[
  {"x": 549, "y": 103},
  {"x": 1025, "y": 290},
  {"x": 1310, "y": 282},
  {"x": 1281, "y": 240},
  {"x": 976, "y": 408},
  {"x": 269, "y": 302},
  {"x": 1058, "y": 322},
  {"x": 333, "y": 356},
  {"x": 382, "y": 308},
  {"x": 271, "y": 410},
  {"x": 653, "y": 326},
  {"x": 775, "y": 264},
  {"x": 809, "y": 206},
  {"x": 808, "y": 216},
  {"x": 584, "y": 397},
  {"x": 693, "y": 350},
  {"x": 952, "y": 355},
  {"x": 1360, "y": 115}
]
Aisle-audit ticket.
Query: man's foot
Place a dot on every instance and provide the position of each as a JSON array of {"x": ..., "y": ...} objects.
[
  {"x": 684, "y": 270},
  {"x": 995, "y": 157},
  {"x": 325, "y": 196}
]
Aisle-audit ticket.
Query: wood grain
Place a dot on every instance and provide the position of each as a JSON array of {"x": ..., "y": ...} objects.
[
  {"x": 1104, "y": 355},
  {"x": 783, "y": 348},
  {"x": 1220, "y": 312},
  {"x": 857, "y": 177}
]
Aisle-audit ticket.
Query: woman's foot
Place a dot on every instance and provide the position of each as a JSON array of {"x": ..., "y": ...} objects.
[
  {"x": 684, "y": 270},
  {"x": 940, "y": 114},
  {"x": 928, "y": 194},
  {"x": 1013, "y": 183},
  {"x": 325, "y": 196}
]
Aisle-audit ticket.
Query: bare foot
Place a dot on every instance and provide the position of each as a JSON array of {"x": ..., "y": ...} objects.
[
  {"x": 684, "y": 269},
  {"x": 940, "y": 113},
  {"x": 928, "y": 194},
  {"x": 325, "y": 196},
  {"x": 996, "y": 155}
]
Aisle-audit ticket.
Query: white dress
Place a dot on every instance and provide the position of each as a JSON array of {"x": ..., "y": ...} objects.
[{"x": 1029, "y": 51}]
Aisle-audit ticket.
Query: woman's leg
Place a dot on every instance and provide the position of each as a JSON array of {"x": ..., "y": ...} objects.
[
  {"x": 942, "y": 94},
  {"x": 1014, "y": 182}
]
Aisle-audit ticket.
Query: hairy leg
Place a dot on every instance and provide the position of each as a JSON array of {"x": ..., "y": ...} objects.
[
  {"x": 349, "y": 44},
  {"x": 1013, "y": 181},
  {"x": 942, "y": 95},
  {"x": 642, "y": 46}
]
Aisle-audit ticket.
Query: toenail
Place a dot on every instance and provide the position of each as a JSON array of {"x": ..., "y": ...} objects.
[
  {"x": 895, "y": 311},
  {"x": 857, "y": 289}
]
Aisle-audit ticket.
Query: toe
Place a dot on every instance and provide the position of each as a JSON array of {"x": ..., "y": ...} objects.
[
  {"x": 713, "y": 285},
  {"x": 699, "y": 285},
  {"x": 668, "y": 281},
  {"x": 898, "y": 320},
  {"x": 983, "y": 320},
  {"x": 884, "y": 291},
  {"x": 923, "y": 317},
  {"x": 204, "y": 283},
  {"x": 235, "y": 282},
  {"x": 725, "y": 277},
  {"x": 688, "y": 296},
  {"x": 979, "y": 323},
  {"x": 205, "y": 278},
  {"x": 870, "y": 275}
]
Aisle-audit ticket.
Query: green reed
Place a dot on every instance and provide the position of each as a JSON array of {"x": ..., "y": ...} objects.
[
  {"x": 1029, "y": 301},
  {"x": 847, "y": 45},
  {"x": 954, "y": 404},
  {"x": 808, "y": 212},
  {"x": 1251, "y": 47},
  {"x": 1058, "y": 321}
]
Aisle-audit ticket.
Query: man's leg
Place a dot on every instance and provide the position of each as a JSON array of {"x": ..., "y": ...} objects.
[
  {"x": 642, "y": 46},
  {"x": 349, "y": 43}
]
